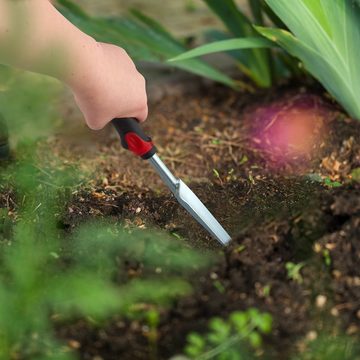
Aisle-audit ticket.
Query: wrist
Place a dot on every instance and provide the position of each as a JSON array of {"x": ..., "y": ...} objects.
[{"x": 83, "y": 72}]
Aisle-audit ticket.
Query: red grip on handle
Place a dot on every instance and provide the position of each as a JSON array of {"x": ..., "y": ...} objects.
[{"x": 137, "y": 145}]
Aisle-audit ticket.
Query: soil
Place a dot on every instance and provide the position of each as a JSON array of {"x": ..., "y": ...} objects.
[{"x": 277, "y": 169}]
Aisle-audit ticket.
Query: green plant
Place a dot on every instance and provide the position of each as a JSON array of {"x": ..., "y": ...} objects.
[
  {"x": 153, "y": 320},
  {"x": 43, "y": 274},
  {"x": 142, "y": 37},
  {"x": 147, "y": 40},
  {"x": 34, "y": 112},
  {"x": 327, "y": 257},
  {"x": 325, "y": 36},
  {"x": 333, "y": 184},
  {"x": 294, "y": 271},
  {"x": 227, "y": 338},
  {"x": 243, "y": 43}
]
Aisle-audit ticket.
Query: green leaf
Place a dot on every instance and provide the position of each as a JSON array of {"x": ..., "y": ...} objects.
[
  {"x": 85, "y": 294},
  {"x": 256, "y": 10},
  {"x": 74, "y": 8},
  {"x": 142, "y": 37},
  {"x": 225, "y": 45},
  {"x": 232, "y": 17},
  {"x": 326, "y": 38},
  {"x": 255, "y": 339},
  {"x": 196, "y": 340},
  {"x": 256, "y": 64},
  {"x": 240, "y": 321}
]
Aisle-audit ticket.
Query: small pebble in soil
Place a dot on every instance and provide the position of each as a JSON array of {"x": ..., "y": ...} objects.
[
  {"x": 311, "y": 335},
  {"x": 352, "y": 329},
  {"x": 337, "y": 274},
  {"x": 320, "y": 301},
  {"x": 73, "y": 344}
]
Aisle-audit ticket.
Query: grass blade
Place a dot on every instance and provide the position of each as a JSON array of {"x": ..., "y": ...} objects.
[
  {"x": 256, "y": 10},
  {"x": 142, "y": 37},
  {"x": 327, "y": 39},
  {"x": 320, "y": 67},
  {"x": 224, "y": 45},
  {"x": 256, "y": 61}
]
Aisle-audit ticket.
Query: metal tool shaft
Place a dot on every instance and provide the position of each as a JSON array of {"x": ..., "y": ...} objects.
[
  {"x": 190, "y": 201},
  {"x": 134, "y": 139}
]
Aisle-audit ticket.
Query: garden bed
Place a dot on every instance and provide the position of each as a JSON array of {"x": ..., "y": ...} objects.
[{"x": 280, "y": 206}]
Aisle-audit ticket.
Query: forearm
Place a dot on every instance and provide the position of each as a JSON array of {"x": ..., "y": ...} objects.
[
  {"x": 36, "y": 37},
  {"x": 104, "y": 80}
]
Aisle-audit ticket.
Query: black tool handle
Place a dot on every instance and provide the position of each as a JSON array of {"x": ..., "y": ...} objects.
[{"x": 133, "y": 137}]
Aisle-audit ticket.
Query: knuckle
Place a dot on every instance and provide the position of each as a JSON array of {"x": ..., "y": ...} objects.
[{"x": 94, "y": 124}]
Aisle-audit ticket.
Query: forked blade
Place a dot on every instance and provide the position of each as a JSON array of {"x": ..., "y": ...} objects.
[
  {"x": 190, "y": 201},
  {"x": 197, "y": 209}
]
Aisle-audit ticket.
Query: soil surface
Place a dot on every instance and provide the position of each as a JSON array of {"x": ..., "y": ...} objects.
[{"x": 277, "y": 169}]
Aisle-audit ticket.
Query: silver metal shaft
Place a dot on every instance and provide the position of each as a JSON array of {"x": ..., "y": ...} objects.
[{"x": 190, "y": 201}]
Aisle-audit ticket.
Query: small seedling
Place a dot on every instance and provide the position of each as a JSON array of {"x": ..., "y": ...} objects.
[
  {"x": 294, "y": 271},
  {"x": 243, "y": 160},
  {"x": 225, "y": 336},
  {"x": 176, "y": 235},
  {"x": 328, "y": 182},
  {"x": 327, "y": 257},
  {"x": 216, "y": 141},
  {"x": 231, "y": 175},
  {"x": 240, "y": 248},
  {"x": 217, "y": 175},
  {"x": 266, "y": 290},
  {"x": 251, "y": 178},
  {"x": 153, "y": 320},
  {"x": 219, "y": 286}
]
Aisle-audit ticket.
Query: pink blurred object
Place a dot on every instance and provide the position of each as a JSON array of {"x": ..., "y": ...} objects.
[{"x": 291, "y": 130}]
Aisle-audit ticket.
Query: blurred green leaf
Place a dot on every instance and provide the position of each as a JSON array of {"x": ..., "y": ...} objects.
[
  {"x": 142, "y": 37},
  {"x": 225, "y": 45},
  {"x": 46, "y": 271},
  {"x": 29, "y": 104},
  {"x": 256, "y": 63},
  {"x": 257, "y": 11},
  {"x": 326, "y": 38}
]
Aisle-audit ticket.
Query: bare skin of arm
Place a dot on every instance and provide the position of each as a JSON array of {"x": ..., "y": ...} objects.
[{"x": 104, "y": 80}]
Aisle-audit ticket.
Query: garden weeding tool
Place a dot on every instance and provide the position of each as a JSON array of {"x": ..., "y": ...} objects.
[{"x": 134, "y": 139}]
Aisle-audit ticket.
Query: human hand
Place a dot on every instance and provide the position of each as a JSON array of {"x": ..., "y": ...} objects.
[{"x": 113, "y": 88}]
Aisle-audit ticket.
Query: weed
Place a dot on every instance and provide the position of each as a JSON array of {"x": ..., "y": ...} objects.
[
  {"x": 294, "y": 271},
  {"x": 266, "y": 290},
  {"x": 153, "y": 320},
  {"x": 219, "y": 286},
  {"x": 327, "y": 257},
  {"x": 328, "y": 182},
  {"x": 42, "y": 275},
  {"x": 227, "y": 337}
]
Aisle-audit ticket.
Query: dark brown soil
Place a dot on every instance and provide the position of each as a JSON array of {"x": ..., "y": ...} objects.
[{"x": 273, "y": 199}]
